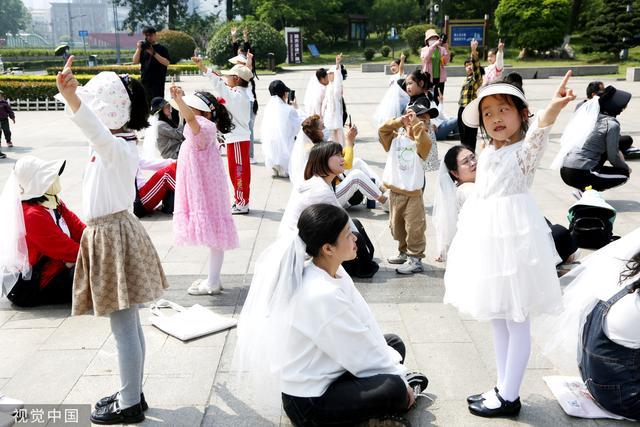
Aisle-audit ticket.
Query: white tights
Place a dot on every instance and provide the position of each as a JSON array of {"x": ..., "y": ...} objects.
[
  {"x": 215, "y": 265},
  {"x": 512, "y": 346}
]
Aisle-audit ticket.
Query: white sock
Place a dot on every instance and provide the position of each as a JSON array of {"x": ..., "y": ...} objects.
[
  {"x": 500, "y": 348},
  {"x": 517, "y": 359},
  {"x": 215, "y": 265}
]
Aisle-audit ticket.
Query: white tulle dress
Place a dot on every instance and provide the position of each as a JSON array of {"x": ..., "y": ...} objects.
[{"x": 501, "y": 264}]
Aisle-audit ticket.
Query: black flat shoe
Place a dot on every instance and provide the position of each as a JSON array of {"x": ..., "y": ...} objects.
[
  {"x": 112, "y": 414},
  {"x": 506, "y": 409},
  {"x": 478, "y": 397},
  {"x": 110, "y": 399}
]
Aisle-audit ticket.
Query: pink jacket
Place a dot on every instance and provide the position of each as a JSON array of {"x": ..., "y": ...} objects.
[{"x": 426, "y": 54}]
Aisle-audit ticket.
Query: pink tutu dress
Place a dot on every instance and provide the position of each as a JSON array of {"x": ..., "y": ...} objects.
[{"x": 202, "y": 214}]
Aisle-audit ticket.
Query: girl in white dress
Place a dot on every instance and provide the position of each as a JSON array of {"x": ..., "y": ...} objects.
[
  {"x": 501, "y": 264},
  {"x": 332, "y": 103}
]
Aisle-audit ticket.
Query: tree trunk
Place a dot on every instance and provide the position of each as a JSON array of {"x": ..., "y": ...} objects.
[
  {"x": 576, "y": 6},
  {"x": 173, "y": 15}
]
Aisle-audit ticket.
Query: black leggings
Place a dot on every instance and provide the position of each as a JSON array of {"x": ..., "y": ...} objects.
[
  {"x": 600, "y": 179},
  {"x": 27, "y": 293},
  {"x": 565, "y": 243},
  {"x": 350, "y": 400}
]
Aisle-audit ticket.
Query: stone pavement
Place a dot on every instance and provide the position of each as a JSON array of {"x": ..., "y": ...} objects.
[{"x": 50, "y": 357}]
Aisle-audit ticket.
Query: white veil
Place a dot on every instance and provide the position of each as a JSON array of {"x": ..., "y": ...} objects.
[
  {"x": 393, "y": 104},
  {"x": 595, "y": 279},
  {"x": 298, "y": 159},
  {"x": 313, "y": 96},
  {"x": 279, "y": 125},
  {"x": 578, "y": 130},
  {"x": 14, "y": 256},
  {"x": 150, "y": 145},
  {"x": 266, "y": 319},
  {"x": 445, "y": 211}
]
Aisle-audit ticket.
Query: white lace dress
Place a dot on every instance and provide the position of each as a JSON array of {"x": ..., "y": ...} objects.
[{"x": 501, "y": 264}]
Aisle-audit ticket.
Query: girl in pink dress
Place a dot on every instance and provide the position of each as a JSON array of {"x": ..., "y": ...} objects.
[{"x": 201, "y": 215}]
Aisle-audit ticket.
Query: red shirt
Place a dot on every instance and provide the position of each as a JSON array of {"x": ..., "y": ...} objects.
[{"x": 46, "y": 239}]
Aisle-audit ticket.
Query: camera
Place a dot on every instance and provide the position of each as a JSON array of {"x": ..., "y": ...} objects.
[
  {"x": 443, "y": 38},
  {"x": 292, "y": 96},
  {"x": 144, "y": 45}
]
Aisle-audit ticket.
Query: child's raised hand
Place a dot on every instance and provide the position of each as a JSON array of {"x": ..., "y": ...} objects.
[
  {"x": 176, "y": 92},
  {"x": 561, "y": 98},
  {"x": 234, "y": 31},
  {"x": 339, "y": 58},
  {"x": 500, "y": 45},
  {"x": 563, "y": 95},
  {"x": 474, "y": 45},
  {"x": 199, "y": 63},
  {"x": 66, "y": 81}
]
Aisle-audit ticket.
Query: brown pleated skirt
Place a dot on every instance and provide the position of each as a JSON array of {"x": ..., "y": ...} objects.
[{"x": 117, "y": 266}]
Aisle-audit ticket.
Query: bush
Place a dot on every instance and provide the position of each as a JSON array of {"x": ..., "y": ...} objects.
[
  {"x": 9, "y": 52},
  {"x": 263, "y": 37},
  {"x": 385, "y": 51},
  {"x": 320, "y": 39},
  {"x": 369, "y": 53},
  {"x": 180, "y": 45},
  {"x": 173, "y": 70},
  {"x": 533, "y": 24},
  {"x": 39, "y": 65},
  {"x": 82, "y": 78},
  {"x": 414, "y": 36},
  {"x": 29, "y": 89}
]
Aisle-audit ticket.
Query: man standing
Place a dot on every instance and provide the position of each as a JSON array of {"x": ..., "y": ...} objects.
[{"x": 154, "y": 60}]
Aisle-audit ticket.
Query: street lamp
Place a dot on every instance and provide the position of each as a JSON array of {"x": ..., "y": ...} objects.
[{"x": 71, "y": 18}]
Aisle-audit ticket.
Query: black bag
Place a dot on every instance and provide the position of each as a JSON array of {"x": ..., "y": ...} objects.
[
  {"x": 591, "y": 226},
  {"x": 363, "y": 266}
]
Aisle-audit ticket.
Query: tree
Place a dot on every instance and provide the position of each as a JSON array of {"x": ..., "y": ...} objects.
[
  {"x": 385, "y": 14},
  {"x": 614, "y": 28},
  {"x": 533, "y": 24},
  {"x": 153, "y": 12},
  {"x": 200, "y": 28},
  {"x": 13, "y": 17},
  {"x": 468, "y": 9}
]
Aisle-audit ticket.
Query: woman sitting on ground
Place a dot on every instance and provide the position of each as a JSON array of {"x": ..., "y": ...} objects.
[
  {"x": 306, "y": 332},
  {"x": 41, "y": 238},
  {"x": 456, "y": 184},
  {"x": 164, "y": 136},
  {"x": 357, "y": 174}
]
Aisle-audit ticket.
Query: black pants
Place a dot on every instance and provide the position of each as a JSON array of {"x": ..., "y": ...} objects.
[
  {"x": 600, "y": 179},
  {"x": 565, "y": 243},
  {"x": 350, "y": 400},
  {"x": 27, "y": 293},
  {"x": 439, "y": 85},
  {"x": 153, "y": 89},
  {"x": 467, "y": 135},
  {"x": 625, "y": 142},
  {"x": 4, "y": 124}
]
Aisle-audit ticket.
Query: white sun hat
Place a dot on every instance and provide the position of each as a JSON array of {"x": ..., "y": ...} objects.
[
  {"x": 193, "y": 101},
  {"x": 471, "y": 114},
  {"x": 34, "y": 176}
]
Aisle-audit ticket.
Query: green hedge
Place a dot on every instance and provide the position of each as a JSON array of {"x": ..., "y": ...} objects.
[
  {"x": 29, "y": 89},
  {"x": 39, "y": 65},
  {"x": 10, "y": 51},
  {"x": 121, "y": 69},
  {"x": 82, "y": 78},
  {"x": 180, "y": 45}
]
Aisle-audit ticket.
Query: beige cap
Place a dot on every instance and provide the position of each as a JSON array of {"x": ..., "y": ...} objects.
[
  {"x": 430, "y": 33},
  {"x": 241, "y": 71}
]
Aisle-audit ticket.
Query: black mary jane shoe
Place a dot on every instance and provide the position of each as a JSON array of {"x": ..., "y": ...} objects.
[
  {"x": 478, "y": 397},
  {"x": 506, "y": 409},
  {"x": 112, "y": 414},
  {"x": 110, "y": 399}
]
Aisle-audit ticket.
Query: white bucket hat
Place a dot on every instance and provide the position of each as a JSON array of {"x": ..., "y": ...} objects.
[
  {"x": 106, "y": 95},
  {"x": 34, "y": 176},
  {"x": 238, "y": 59},
  {"x": 471, "y": 115}
]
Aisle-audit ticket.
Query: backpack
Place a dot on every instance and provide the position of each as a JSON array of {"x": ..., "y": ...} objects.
[
  {"x": 591, "y": 221},
  {"x": 363, "y": 266}
]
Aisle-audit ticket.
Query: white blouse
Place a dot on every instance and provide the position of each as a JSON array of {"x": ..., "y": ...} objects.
[{"x": 334, "y": 332}]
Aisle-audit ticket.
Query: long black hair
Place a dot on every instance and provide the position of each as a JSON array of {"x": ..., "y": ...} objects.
[
  {"x": 321, "y": 224},
  {"x": 139, "y": 117},
  {"x": 318, "y": 163},
  {"x": 220, "y": 115},
  {"x": 167, "y": 119},
  {"x": 423, "y": 77},
  {"x": 632, "y": 269}
]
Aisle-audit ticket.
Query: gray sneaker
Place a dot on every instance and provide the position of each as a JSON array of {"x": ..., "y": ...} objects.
[
  {"x": 411, "y": 266},
  {"x": 401, "y": 258}
]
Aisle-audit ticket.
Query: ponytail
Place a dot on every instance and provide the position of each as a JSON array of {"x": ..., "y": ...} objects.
[
  {"x": 420, "y": 76},
  {"x": 219, "y": 113}
]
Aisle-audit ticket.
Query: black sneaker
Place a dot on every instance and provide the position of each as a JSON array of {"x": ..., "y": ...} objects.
[
  {"x": 112, "y": 414},
  {"x": 417, "y": 381},
  {"x": 3, "y": 156},
  {"x": 110, "y": 399}
]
